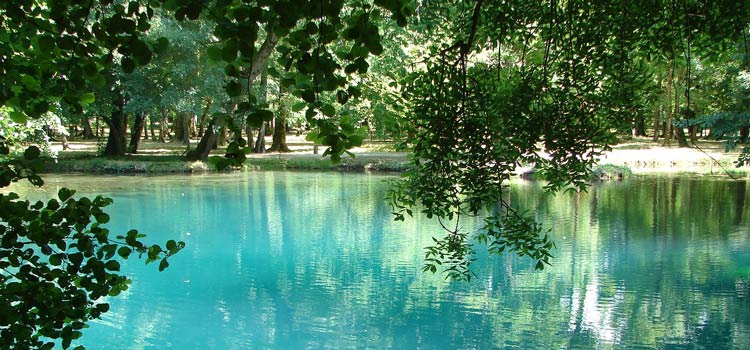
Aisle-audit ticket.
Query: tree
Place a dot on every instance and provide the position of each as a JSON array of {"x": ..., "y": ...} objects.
[
  {"x": 61, "y": 51},
  {"x": 516, "y": 75},
  {"x": 278, "y": 143}
]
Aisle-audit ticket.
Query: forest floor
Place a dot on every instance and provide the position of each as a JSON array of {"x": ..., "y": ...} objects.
[{"x": 638, "y": 154}]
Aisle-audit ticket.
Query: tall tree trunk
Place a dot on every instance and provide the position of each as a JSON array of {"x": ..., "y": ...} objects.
[
  {"x": 204, "y": 115},
  {"x": 97, "y": 126},
  {"x": 279, "y": 130},
  {"x": 87, "y": 132},
  {"x": 640, "y": 126},
  {"x": 657, "y": 123},
  {"x": 260, "y": 142},
  {"x": 135, "y": 135},
  {"x": 657, "y": 110},
  {"x": 152, "y": 126},
  {"x": 681, "y": 138},
  {"x": 248, "y": 132},
  {"x": 163, "y": 131},
  {"x": 178, "y": 127},
  {"x": 146, "y": 121},
  {"x": 193, "y": 128},
  {"x": 117, "y": 123},
  {"x": 679, "y": 131},
  {"x": 693, "y": 134}
]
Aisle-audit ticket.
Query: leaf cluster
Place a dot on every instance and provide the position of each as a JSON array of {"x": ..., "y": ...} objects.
[{"x": 57, "y": 263}]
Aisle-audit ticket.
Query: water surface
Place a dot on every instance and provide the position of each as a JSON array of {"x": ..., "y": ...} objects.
[{"x": 283, "y": 260}]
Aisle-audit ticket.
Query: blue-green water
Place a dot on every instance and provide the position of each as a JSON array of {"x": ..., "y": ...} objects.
[{"x": 315, "y": 261}]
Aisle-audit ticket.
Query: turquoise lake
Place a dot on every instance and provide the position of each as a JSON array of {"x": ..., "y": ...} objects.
[{"x": 285, "y": 260}]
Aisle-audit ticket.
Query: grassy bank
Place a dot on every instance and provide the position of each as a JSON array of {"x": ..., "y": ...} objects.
[{"x": 176, "y": 165}]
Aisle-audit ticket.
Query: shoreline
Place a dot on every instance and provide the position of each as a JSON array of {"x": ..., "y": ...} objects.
[{"x": 635, "y": 156}]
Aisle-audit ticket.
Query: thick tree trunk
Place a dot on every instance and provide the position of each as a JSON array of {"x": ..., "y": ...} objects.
[
  {"x": 206, "y": 143},
  {"x": 681, "y": 138},
  {"x": 178, "y": 127},
  {"x": 182, "y": 128},
  {"x": 87, "y": 132},
  {"x": 146, "y": 121},
  {"x": 279, "y": 134},
  {"x": 135, "y": 135},
  {"x": 640, "y": 126},
  {"x": 96, "y": 133},
  {"x": 204, "y": 115},
  {"x": 117, "y": 123},
  {"x": 745, "y": 134},
  {"x": 279, "y": 129},
  {"x": 163, "y": 132},
  {"x": 679, "y": 131},
  {"x": 193, "y": 126}
]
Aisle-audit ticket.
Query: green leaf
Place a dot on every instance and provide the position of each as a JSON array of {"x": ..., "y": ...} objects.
[
  {"x": 55, "y": 259},
  {"x": 112, "y": 265},
  {"x": 64, "y": 194},
  {"x": 234, "y": 88},
  {"x": 355, "y": 140},
  {"x": 312, "y": 136},
  {"x": 171, "y": 244},
  {"x": 18, "y": 117},
  {"x": 328, "y": 110},
  {"x": 124, "y": 252},
  {"x": 163, "y": 264},
  {"x": 127, "y": 64},
  {"x": 32, "y": 153},
  {"x": 46, "y": 43},
  {"x": 214, "y": 53},
  {"x": 102, "y": 218},
  {"x": 87, "y": 98},
  {"x": 257, "y": 118},
  {"x": 308, "y": 96},
  {"x": 161, "y": 45},
  {"x": 299, "y": 106},
  {"x": 342, "y": 97},
  {"x": 229, "y": 51}
]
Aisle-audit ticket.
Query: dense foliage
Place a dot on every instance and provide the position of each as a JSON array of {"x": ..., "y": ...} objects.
[{"x": 544, "y": 84}]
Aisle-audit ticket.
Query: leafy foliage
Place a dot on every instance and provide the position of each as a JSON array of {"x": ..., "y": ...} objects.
[
  {"x": 57, "y": 261},
  {"x": 529, "y": 83}
]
